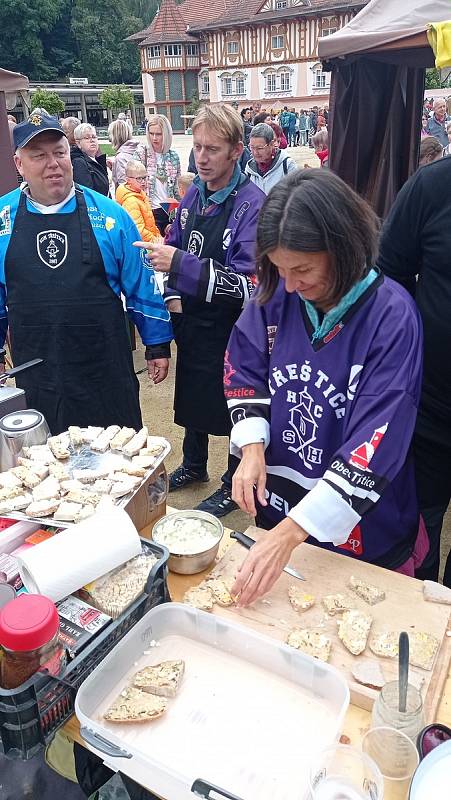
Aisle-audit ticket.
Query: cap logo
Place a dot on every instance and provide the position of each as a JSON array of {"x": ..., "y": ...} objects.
[{"x": 35, "y": 119}]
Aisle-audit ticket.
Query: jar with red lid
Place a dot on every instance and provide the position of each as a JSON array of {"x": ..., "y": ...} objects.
[{"x": 29, "y": 628}]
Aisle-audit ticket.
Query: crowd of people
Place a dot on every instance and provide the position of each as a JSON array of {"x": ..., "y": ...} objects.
[{"x": 291, "y": 338}]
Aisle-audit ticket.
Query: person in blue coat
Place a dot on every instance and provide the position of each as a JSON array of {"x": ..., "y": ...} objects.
[{"x": 66, "y": 257}]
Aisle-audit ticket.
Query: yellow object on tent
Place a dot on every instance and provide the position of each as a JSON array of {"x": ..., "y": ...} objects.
[{"x": 439, "y": 36}]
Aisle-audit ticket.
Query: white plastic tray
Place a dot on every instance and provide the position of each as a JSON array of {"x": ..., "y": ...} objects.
[{"x": 250, "y": 714}]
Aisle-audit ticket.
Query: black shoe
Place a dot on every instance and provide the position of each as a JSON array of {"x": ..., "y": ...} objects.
[
  {"x": 219, "y": 503},
  {"x": 182, "y": 477}
]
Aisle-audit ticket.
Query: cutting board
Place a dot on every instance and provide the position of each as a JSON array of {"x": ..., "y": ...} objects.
[{"x": 328, "y": 573}]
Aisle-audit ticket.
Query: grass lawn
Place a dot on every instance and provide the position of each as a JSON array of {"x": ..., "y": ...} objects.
[{"x": 106, "y": 148}]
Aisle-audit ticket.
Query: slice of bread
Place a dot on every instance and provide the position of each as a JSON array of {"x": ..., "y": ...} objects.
[
  {"x": 423, "y": 649},
  {"x": 162, "y": 679},
  {"x": 299, "y": 600},
  {"x": 133, "y": 705},
  {"x": 337, "y": 603},
  {"x": 199, "y": 597},
  {"x": 220, "y": 589},
  {"x": 436, "y": 593},
  {"x": 368, "y": 672},
  {"x": 385, "y": 644},
  {"x": 353, "y": 630},
  {"x": 367, "y": 591},
  {"x": 313, "y": 643}
]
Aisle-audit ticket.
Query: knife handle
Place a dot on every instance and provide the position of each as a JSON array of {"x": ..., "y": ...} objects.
[{"x": 246, "y": 541}]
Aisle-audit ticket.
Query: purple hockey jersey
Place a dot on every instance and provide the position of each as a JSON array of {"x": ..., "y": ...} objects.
[{"x": 336, "y": 417}]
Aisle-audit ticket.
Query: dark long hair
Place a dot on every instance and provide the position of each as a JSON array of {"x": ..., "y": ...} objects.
[{"x": 310, "y": 211}]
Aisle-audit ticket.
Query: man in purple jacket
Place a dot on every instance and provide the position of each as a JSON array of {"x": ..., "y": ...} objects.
[{"x": 209, "y": 256}]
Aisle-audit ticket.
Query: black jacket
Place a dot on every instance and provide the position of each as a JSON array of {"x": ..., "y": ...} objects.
[
  {"x": 89, "y": 172},
  {"x": 415, "y": 250}
]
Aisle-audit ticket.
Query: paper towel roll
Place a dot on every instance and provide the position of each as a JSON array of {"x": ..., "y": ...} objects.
[{"x": 80, "y": 554}]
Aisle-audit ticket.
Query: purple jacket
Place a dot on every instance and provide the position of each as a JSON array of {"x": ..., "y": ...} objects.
[
  {"x": 228, "y": 283},
  {"x": 336, "y": 417}
]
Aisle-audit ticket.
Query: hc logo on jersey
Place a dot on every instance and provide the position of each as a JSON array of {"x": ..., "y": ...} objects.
[
  {"x": 52, "y": 248},
  {"x": 302, "y": 431},
  {"x": 196, "y": 243}
]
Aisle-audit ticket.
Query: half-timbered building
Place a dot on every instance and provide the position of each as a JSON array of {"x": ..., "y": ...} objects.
[{"x": 241, "y": 52}]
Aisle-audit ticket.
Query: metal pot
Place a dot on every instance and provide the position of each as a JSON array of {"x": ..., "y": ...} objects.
[
  {"x": 190, "y": 564},
  {"x": 17, "y": 430}
]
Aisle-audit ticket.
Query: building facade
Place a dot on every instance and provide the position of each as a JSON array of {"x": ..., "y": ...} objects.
[{"x": 262, "y": 51}]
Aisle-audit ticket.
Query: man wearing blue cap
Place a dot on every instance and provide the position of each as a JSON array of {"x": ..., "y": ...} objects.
[{"x": 66, "y": 257}]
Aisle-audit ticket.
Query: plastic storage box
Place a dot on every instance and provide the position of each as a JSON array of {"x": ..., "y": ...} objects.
[
  {"x": 248, "y": 717},
  {"x": 31, "y": 714}
]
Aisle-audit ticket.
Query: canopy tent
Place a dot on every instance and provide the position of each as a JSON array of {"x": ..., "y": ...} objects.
[
  {"x": 378, "y": 61},
  {"x": 10, "y": 84}
]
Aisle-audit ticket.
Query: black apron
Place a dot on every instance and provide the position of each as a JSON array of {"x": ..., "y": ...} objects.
[
  {"x": 62, "y": 309},
  {"x": 202, "y": 332}
]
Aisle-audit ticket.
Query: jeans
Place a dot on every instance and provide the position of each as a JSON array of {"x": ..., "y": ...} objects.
[
  {"x": 291, "y": 137},
  {"x": 433, "y": 478},
  {"x": 304, "y": 137},
  {"x": 195, "y": 456}
]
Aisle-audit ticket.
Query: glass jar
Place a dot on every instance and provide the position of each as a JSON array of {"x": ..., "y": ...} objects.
[
  {"x": 386, "y": 710},
  {"x": 29, "y": 639}
]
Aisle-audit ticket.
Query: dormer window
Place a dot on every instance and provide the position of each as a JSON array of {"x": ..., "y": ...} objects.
[{"x": 280, "y": 4}]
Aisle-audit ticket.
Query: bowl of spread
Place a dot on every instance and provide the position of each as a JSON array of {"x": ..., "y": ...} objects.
[{"x": 192, "y": 538}]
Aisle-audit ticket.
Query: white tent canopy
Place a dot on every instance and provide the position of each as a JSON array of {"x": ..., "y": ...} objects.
[{"x": 382, "y": 22}]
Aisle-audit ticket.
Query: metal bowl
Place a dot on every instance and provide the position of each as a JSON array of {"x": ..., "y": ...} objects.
[{"x": 189, "y": 564}]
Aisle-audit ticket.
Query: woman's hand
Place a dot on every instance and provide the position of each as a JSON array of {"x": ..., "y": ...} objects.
[
  {"x": 265, "y": 562},
  {"x": 251, "y": 472}
]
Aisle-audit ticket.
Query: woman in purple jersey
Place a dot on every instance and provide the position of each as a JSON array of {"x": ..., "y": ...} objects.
[{"x": 322, "y": 380}]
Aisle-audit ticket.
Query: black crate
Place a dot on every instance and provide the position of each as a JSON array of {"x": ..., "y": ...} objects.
[{"x": 31, "y": 714}]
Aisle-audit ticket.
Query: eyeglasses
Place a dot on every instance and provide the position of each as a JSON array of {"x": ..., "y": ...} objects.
[
  {"x": 90, "y": 138},
  {"x": 260, "y": 149},
  {"x": 141, "y": 179}
]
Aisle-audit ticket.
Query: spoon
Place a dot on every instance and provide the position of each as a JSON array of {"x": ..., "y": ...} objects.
[{"x": 403, "y": 670}]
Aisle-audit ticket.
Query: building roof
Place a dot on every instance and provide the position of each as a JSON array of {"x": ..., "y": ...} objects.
[
  {"x": 381, "y": 22},
  {"x": 175, "y": 23}
]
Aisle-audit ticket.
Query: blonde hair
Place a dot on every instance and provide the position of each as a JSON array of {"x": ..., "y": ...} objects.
[
  {"x": 84, "y": 129},
  {"x": 186, "y": 180},
  {"x": 135, "y": 169},
  {"x": 223, "y": 120},
  {"x": 119, "y": 132},
  {"x": 166, "y": 129}
]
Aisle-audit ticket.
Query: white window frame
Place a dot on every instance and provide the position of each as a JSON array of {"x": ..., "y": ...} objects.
[
  {"x": 328, "y": 31},
  {"x": 271, "y": 82},
  {"x": 154, "y": 51},
  {"x": 233, "y": 51},
  {"x": 276, "y": 39},
  {"x": 205, "y": 84},
  {"x": 204, "y": 48},
  {"x": 280, "y": 4},
  {"x": 285, "y": 81},
  {"x": 225, "y": 84},
  {"x": 319, "y": 79},
  {"x": 240, "y": 84},
  {"x": 191, "y": 50},
  {"x": 173, "y": 50}
]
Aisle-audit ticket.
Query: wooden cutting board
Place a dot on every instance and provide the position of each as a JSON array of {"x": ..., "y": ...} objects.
[{"x": 328, "y": 573}]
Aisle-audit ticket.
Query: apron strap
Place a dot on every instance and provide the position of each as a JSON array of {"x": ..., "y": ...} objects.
[{"x": 85, "y": 226}]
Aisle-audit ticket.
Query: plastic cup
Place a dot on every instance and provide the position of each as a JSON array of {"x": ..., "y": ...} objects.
[
  {"x": 342, "y": 772},
  {"x": 397, "y": 758}
]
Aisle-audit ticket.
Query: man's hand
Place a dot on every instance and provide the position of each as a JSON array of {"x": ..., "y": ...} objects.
[
  {"x": 265, "y": 562},
  {"x": 159, "y": 254},
  {"x": 174, "y": 306},
  {"x": 157, "y": 369},
  {"x": 251, "y": 472}
]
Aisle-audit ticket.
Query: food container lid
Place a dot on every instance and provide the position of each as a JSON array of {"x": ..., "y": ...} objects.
[
  {"x": 431, "y": 778},
  {"x": 20, "y": 421},
  {"x": 28, "y": 622}
]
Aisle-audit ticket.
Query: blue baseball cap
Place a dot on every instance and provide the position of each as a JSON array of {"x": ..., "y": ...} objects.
[{"x": 36, "y": 123}]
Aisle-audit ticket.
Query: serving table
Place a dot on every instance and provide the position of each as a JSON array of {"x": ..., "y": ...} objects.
[{"x": 357, "y": 719}]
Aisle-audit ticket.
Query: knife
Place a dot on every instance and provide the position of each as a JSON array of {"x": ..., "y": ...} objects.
[{"x": 246, "y": 541}]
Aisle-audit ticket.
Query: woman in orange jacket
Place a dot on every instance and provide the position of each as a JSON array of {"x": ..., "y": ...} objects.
[{"x": 133, "y": 197}]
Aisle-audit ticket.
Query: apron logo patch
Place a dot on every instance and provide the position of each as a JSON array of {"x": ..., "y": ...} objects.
[
  {"x": 52, "y": 247},
  {"x": 196, "y": 243},
  {"x": 110, "y": 222},
  {"x": 183, "y": 217},
  {"x": 5, "y": 220},
  {"x": 227, "y": 238}
]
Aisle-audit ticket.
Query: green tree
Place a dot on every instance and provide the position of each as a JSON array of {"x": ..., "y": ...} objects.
[
  {"x": 102, "y": 54},
  {"x": 194, "y": 105},
  {"x": 117, "y": 98},
  {"x": 432, "y": 79},
  {"x": 52, "y": 103},
  {"x": 23, "y": 23}
]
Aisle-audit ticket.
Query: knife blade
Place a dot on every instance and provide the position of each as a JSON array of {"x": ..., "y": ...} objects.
[{"x": 246, "y": 541}]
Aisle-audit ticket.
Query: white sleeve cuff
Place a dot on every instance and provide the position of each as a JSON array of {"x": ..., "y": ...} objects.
[
  {"x": 248, "y": 431},
  {"x": 323, "y": 514}
]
